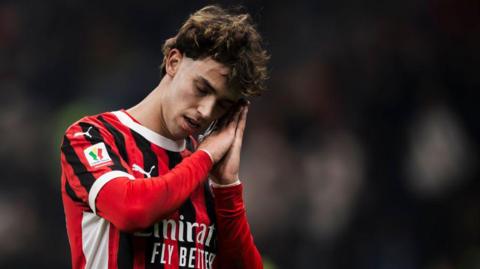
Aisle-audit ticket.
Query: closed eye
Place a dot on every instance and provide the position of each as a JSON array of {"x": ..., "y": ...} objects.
[{"x": 201, "y": 91}]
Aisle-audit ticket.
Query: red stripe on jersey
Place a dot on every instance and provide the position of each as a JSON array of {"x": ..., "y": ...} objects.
[
  {"x": 113, "y": 248},
  {"x": 73, "y": 222},
  {"x": 198, "y": 200},
  {"x": 172, "y": 245}
]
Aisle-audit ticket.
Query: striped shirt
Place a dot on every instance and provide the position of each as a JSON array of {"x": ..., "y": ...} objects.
[{"x": 136, "y": 199}]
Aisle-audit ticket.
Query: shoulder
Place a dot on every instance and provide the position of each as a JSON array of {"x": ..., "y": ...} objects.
[
  {"x": 90, "y": 129},
  {"x": 99, "y": 122}
]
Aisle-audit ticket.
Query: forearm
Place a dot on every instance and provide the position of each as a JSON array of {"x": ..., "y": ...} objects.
[
  {"x": 236, "y": 248},
  {"x": 137, "y": 204}
]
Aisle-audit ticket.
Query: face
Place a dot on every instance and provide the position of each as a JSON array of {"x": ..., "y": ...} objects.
[{"x": 197, "y": 95}]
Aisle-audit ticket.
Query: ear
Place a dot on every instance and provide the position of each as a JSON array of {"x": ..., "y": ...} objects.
[{"x": 174, "y": 59}]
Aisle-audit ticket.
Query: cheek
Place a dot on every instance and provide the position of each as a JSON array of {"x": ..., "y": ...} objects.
[
  {"x": 187, "y": 98},
  {"x": 181, "y": 101},
  {"x": 178, "y": 91},
  {"x": 185, "y": 94}
]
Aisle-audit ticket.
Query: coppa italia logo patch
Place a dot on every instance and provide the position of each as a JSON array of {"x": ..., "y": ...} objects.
[{"x": 97, "y": 155}]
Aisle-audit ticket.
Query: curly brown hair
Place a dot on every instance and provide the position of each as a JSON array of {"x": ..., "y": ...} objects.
[{"x": 230, "y": 39}]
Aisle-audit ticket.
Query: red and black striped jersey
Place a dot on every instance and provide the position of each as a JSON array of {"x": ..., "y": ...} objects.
[{"x": 135, "y": 199}]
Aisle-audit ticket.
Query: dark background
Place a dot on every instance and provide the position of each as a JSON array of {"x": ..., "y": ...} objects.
[{"x": 363, "y": 153}]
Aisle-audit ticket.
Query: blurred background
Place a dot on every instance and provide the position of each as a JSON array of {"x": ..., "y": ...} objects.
[{"x": 363, "y": 153}]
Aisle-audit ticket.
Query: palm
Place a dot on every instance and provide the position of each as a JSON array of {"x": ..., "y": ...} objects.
[{"x": 226, "y": 171}]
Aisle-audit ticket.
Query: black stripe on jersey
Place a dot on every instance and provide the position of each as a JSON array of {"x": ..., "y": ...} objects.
[
  {"x": 71, "y": 193},
  {"x": 125, "y": 251},
  {"x": 118, "y": 136},
  {"x": 187, "y": 210},
  {"x": 190, "y": 145},
  {"x": 97, "y": 138},
  {"x": 85, "y": 178},
  {"x": 174, "y": 158},
  {"x": 149, "y": 159}
]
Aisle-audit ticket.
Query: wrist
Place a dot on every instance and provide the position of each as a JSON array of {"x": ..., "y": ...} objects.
[
  {"x": 215, "y": 184},
  {"x": 209, "y": 155},
  {"x": 224, "y": 182}
]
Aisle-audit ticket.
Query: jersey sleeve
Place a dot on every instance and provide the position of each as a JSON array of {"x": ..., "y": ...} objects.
[
  {"x": 101, "y": 181},
  {"x": 89, "y": 160},
  {"x": 236, "y": 248}
]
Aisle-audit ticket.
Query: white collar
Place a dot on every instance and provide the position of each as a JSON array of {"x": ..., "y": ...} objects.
[{"x": 150, "y": 135}]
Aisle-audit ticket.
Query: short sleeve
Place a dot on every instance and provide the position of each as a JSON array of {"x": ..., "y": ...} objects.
[{"x": 89, "y": 160}]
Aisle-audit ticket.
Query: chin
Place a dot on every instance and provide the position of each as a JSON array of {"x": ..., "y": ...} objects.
[{"x": 181, "y": 134}]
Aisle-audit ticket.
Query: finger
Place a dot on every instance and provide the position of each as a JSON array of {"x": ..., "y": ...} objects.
[
  {"x": 235, "y": 119},
  {"x": 242, "y": 122}
]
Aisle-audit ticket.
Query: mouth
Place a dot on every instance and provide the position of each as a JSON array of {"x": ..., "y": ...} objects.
[{"x": 192, "y": 124}]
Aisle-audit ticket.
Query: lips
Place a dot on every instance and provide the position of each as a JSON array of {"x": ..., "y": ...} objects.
[{"x": 192, "y": 124}]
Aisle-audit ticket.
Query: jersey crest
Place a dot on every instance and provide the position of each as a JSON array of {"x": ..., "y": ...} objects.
[{"x": 97, "y": 155}]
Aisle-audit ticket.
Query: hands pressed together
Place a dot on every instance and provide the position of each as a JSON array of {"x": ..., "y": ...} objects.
[{"x": 224, "y": 144}]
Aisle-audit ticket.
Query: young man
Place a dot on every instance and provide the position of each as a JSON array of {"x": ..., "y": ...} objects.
[{"x": 134, "y": 182}]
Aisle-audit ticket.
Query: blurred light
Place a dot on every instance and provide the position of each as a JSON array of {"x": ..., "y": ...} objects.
[
  {"x": 334, "y": 176},
  {"x": 439, "y": 153}
]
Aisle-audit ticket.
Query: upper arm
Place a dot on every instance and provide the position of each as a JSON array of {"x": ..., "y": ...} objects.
[{"x": 89, "y": 160}]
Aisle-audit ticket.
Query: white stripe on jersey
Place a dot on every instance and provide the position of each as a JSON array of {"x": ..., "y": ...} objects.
[
  {"x": 153, "y": 137},
  {"x": 100, "y": 182},
  {"x": 95, "y": 233}
]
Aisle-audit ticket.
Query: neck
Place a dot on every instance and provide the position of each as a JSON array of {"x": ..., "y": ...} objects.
[{"x": 149, "y": 111}]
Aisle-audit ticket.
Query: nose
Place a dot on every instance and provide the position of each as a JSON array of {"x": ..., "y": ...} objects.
[{"x": 206, "y": 107}]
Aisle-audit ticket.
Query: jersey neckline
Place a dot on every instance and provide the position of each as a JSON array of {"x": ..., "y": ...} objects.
[{"x": 155, "y": 138}]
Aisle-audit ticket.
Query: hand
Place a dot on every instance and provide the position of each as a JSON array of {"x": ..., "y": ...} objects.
[
  {"x": 226, "y": 171},
  {"x": 219, "y": 141}
]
